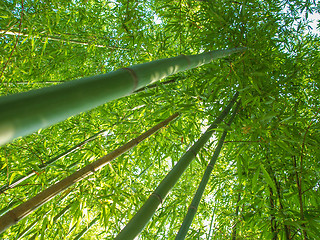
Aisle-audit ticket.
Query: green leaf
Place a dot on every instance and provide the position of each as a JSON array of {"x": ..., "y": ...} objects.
[
  {"x": 255, "y": 180},
  {"x": 268, "y": 179}
]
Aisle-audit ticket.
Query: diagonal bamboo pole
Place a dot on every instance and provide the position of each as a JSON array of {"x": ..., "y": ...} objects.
[
  {"x": 141, "y": 218},
  {"x": 198, "y": 195},
  {"x": 24, "y": 209},
  {"x": 24, "y": 113}
]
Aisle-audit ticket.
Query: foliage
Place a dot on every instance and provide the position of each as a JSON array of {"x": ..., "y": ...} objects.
[{"x": 265, "y": 184}]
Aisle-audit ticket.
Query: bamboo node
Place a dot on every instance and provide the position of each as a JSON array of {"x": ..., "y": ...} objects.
[
  {"x": 134, "y": 77},
  {"x": 193, "y": 207},
  {"x": 158, "y": 196}
]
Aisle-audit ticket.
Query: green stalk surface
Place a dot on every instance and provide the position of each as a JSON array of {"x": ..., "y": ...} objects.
[
  {"x": 24, "y": 209},
  {"x": 24, "y": 113},
  {"x": 204, "y": 181},
  {"x": 142, "y": 217}
]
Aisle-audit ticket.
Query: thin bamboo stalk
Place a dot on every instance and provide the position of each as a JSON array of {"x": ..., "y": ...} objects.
[
  {"x": 31, "y": 173},
  {"x": 28, "y": 228},
  {"x": 24, "y": 209},
  {"x": 24, "y": 113},
  {"x": 235, "y": 226},
  {"x": 141, "y": 218},
  {"x": 198, "y": 195},
  {"x": 48, "y": 163},
  {"x": 80, "y": 234},
  {"x": 59, "y": 39}
]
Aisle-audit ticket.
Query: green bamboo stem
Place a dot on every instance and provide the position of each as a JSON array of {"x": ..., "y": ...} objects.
[
  {"x": 198, "y": 195},
  {"x": 24, "y": 113},
  {"x": 80, "y": 234},
  {"x": 24, "y": 209},
  {"x": 141, "y": 218}
]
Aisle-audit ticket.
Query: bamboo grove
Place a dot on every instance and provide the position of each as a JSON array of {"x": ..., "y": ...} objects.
[{"x": 159, "y": 119}]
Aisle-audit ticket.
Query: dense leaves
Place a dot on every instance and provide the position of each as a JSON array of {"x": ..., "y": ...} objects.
[{"x": 265, "y": 185}]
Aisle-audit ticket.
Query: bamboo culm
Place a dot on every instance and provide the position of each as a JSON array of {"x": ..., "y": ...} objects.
[
  {"x": 198, "y": 195},
  {"x": 80, "y": 234},
  {"x": 24, "y": 209},
  {"x": 141, "y": 218},
  {"x": 31, "y": 173},
  {"x": 24, "y": 113}
]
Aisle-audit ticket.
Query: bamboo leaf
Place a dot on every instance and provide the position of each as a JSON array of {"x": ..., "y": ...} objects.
[{"x": 268, "y": 179}]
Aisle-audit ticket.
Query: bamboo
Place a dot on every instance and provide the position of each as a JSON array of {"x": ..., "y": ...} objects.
[
  {"x": 24, "y": 209},
  {"x": 59, "y": 39},
  {"x": 48, "y": 163},
  {"x": 80, "y": 234},
  {"x": 198, "y": 195},
  {"x": 31, "y": 173},
  {"x": 24, "y": 113},
  {"x": 141, "y": 218}
]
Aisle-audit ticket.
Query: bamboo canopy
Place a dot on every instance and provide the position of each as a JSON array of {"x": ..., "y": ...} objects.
[
  {"x": 24, "y": 209},
  {"x": 24, "y": 113}
]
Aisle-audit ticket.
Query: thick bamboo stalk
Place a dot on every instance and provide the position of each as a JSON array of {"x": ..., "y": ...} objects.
[
  {"x": 24, "y": 113},
  {"x": 141, "y": 218},
  {"x": 24, "y": 209},
  {"x": 198, "y": 195}
]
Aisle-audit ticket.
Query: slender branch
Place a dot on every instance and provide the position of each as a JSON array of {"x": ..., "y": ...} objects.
[
  {"x": 80, "y": 234},
  {"x": 56, "y": 38},
  {"x": 241, "y": 141}
]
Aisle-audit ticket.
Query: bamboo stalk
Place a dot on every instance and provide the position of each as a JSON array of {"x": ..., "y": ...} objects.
[
  {"x": 204, "y": 181},
  {"x": 235, "y": 226},
  {"x": 48, "y": 163},
  {"x": 58, "y": 39},
  {"x": 24, "y": 209},
  {"x": 80, "y": 234},
  {"x": 24, "y": 113},
  {"x": 141, "y": 218},
  {"x": 31, "y": 173}
]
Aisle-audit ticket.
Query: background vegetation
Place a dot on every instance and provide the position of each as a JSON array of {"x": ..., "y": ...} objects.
[{"x": 265, "y": 185}]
